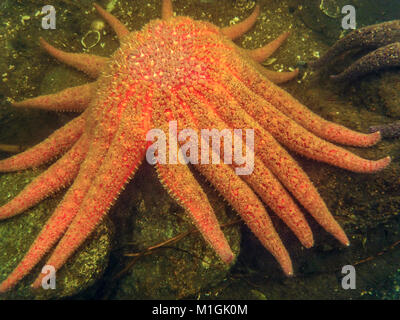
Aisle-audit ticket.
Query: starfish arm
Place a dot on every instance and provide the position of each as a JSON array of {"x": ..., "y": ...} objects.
[
  {"x": 62, "y": 216},
  {"x": 290, "y": 133},
  {"x": 167, "y": 10},
  {"x": 88, "y": 63},
  {"x": 72, "y": 201},
  {"x": 291, "y": 107},
  {"x": 287, "y": 170},
  {"x": 235, "y": 31},
  {"x": 61, "y": 140},
  {"x": 271, "y": 191},
  {"x": 246, "y": 203},
  {"x": 263, "y": 53},
  {"x": 233, "y": 188},
  {"x": 117, "y": 25},
  {"x": 184, "y": 188},
  {"x": 279, "y": 77},
  {"x": 273, "y": 76},
  {"x": 75, "y": 99},
  {"x": 282, "y": 165},
  {"x": 127, "y": 148},
  {"x": 325, "y": 129},
  {"x": 382, "y": 58},
  {"x": 56, "y": 177},
  {"x": 262, "y": 180}
]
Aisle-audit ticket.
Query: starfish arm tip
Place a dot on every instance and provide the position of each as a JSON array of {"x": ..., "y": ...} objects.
[
  {"x": 17, "y": 104},
  {"x": 289, "y": 273},
  {"x": 228, "y": 258},
  {"x": 3, "y": 287},
  {"x": 343, "y": 238},
  {"x": 37, "y": 283},
  {"x": 382, "y": 163},
  {"x": 377, "y": 135},
  {"x": 44, "y": 44},
  {"x": 286, "y": 264},
  {"x": 308, "y": 242}
]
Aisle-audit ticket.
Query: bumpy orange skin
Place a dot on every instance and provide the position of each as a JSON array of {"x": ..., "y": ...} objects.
[{"x": 191, "y": 72}]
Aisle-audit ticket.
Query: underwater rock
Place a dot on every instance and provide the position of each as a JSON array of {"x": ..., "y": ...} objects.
[
  {"x": 179, "y": 269},
  {"x": 18, "y": 233}
]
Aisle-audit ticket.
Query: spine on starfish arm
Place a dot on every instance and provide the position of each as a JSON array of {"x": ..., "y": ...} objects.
[{"x": 167, "y": 10}]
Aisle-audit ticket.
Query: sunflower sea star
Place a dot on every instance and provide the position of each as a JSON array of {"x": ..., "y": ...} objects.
[{"x": 191, "y": 72}]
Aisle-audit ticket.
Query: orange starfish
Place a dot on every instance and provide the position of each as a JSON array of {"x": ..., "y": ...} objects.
[{"x": 191, "y": 72}]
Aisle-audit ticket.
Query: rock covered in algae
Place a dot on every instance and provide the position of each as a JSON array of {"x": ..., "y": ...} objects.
[
  {"x": 179, "y": 269},
  {"x": 81, "y": 271}
]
